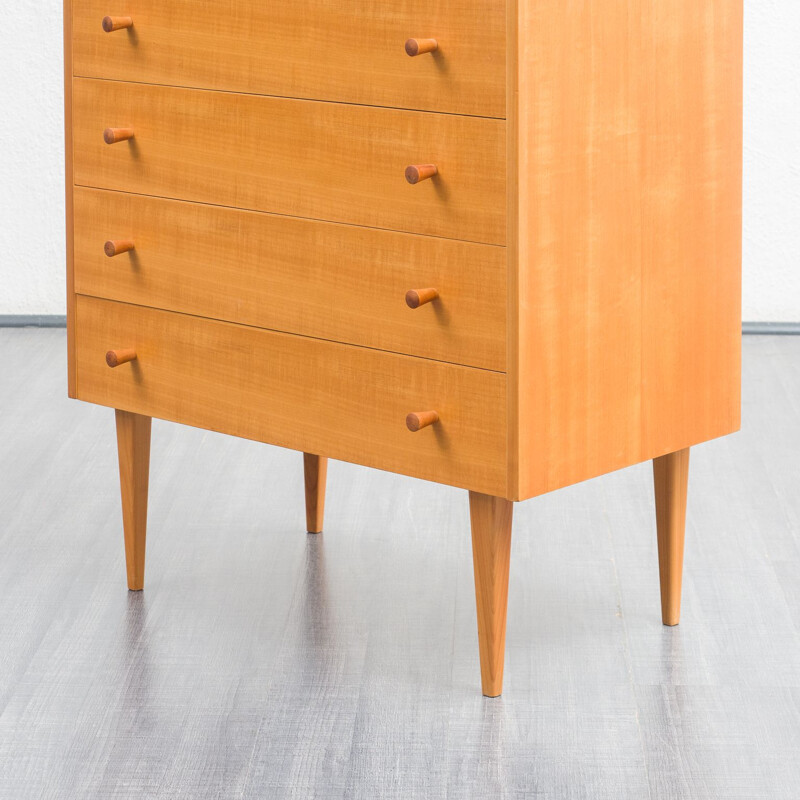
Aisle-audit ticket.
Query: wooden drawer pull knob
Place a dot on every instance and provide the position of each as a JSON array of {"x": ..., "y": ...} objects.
[
  {"x": 114, "y": 135},
  {"x": 421, "y": 172},
  {"x": 416, "y": 46},
  {"x": 418, "y": 297},
  {"x": 116, "y": 23},
  {"x": 417, "y": 420},
  {"x": 116, "y": 357},
  {"x": 115, "y": 248}
]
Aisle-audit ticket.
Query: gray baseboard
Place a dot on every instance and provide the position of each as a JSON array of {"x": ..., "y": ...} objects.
[
  {"x": 33, "y": 321},
  {"x": 771, "y": 328},
  {"x": 60, "y": 321}
]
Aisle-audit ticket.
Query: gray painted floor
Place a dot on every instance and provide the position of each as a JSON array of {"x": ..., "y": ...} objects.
[{"x": 260, "y": 662}]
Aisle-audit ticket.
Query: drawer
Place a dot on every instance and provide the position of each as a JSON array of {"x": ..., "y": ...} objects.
[
  {"x": 346, "y": 402},
  {"x": 347, "y": 52},
  {"x": 342, "y": 163},
  {"x": 319, "y": 279}
]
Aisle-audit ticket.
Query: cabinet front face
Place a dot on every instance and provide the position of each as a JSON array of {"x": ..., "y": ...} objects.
[
  {"x": 329, "y": 281},
  {"x": 350, "y": 403},
  {"x": 341, "y": 163},
  {"x": 351, "y": 52},
  {"x": 296, "y": 223}
]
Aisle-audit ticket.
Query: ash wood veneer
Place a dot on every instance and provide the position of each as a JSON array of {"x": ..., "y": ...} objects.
[
  {"x": 508, "y": 263},
  {"x": 337, "y": 282},
  {"x": 297, "y": 392},
  {"x": 350, "y": 52},
  {"x": 340, "y": 163}
]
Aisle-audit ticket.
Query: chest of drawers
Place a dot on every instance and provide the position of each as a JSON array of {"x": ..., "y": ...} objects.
[{"x": 490, "y": 244}]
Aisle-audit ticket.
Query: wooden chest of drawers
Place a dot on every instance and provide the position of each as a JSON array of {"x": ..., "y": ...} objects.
[{"x": 494, "y": 245}]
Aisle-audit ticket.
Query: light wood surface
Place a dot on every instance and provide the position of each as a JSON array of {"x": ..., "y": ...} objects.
[
  {"x": 671, "y": 480},
  {"x": 578, "y": 280},
  {"x": 133, "y": 446},
  {"x": 336, "y": 282},
  {"x": 315, "y": 476},
  {"x": 625, "y": 324},
  {"x": 490, "y": 519},
  {"x": 342, "y": 163},
  {"x": 269, "y": 154},
  {"x": 68, "y": 204},
  {"x": 349, "y": 52},
  {"x": 692, "y": 228},
  {"x": 349, "y": 403}
]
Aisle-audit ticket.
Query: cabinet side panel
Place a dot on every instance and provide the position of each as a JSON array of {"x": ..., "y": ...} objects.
[
  {"x": 579, "y": 281},
  {"x": 691, "y": 312},
  {"x": 68, "y": 188},
  {"x": 629, "y": 233}
]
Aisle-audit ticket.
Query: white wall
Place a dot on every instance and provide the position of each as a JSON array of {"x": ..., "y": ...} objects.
[
  {"x": 31, "y": 159},
  {"x": 31, "y": 164},
  {"x": 771, "y": 213}
]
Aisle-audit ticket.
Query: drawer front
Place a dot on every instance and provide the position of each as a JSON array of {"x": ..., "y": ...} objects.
[
  {"x": 337, "y": 400},
  {"x": 320, "y": 279},
  {"x": 347, "y": 52},
  {"x": 327, "y": 161}
]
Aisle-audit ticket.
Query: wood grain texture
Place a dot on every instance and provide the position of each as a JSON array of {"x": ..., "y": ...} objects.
[
  {"x": 671, "y": 480},
  {"x": 68, "y": 200},
  {"x": 295, "y": 392},
  {"x": 692, "y": 226},
  {"x": 341, "y": 163},
  {"x": 490, "y": 519},
  {"x": 348, "y": 52},
  {"x": 133, "y": 447},
  {"x": 336, "y": 282},
  {"x": 315, "y": 476},
  {"x": 578, "y": 281},
  {"x": 625, "y": 324}
]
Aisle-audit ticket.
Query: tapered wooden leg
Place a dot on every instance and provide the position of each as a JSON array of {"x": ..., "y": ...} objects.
[
  {"x": 491, "y": 555},
  {"x": 671, "y": 477},
  {"x": 315, "y": 471},
  {"x": 133, "y": 445}
]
